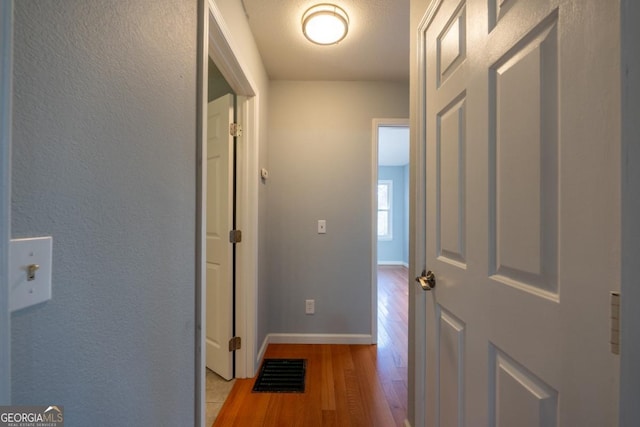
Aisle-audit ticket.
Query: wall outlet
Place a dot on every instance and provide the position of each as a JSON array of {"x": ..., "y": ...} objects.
[
  {"x": 310, "y": 306},
  {"x": 322, "y": 226}
]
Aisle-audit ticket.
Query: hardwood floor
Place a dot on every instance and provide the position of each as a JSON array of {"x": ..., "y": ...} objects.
[{"x": 346, "y": 385}]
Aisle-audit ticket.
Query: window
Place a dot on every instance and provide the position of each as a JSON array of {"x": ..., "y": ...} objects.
[{"x": 385, "y": 201}]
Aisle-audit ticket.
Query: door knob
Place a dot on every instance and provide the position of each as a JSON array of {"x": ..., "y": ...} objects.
[{"x": 427, "y": 280}]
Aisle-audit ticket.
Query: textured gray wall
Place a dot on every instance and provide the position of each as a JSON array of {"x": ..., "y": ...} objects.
[
  {"x": 103, "y": 160},
  {"x": 6, "y": 71},
  {"x": 320, "y": 158}
]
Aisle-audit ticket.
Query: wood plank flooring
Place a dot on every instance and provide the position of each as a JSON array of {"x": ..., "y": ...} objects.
[{"x": 346, "y": 385}]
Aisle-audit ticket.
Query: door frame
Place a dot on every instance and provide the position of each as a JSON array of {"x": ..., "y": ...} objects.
[
  {"x": 375, "y": 144},
  {"x": 6, "y": 92},
  {"x": 214, "y": 40},
  {"x": 417, "y": 355}
]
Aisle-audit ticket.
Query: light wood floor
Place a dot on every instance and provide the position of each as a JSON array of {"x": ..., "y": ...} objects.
[{"x": 346, "y": 385}]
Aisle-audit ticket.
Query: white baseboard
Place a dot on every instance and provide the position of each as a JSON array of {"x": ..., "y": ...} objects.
[
  {"x": 315, "y": 339},
  {"x": 393, "y": 263},
  {"x": 263, "y": 349}
]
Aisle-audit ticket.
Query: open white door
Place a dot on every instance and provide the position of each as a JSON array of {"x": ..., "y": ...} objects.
[
  {"x": 219, "y": 271},
  {"x": 522, "y": 173}
]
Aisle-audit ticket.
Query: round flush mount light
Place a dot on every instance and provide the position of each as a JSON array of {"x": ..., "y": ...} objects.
[{"x": 325, "y": 24}]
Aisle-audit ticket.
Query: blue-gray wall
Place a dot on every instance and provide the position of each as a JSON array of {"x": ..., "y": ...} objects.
[
  {"x": 395, "y": 251},
  {"x": 320, "y": 151},
  {"x": 103, "y": 160}
]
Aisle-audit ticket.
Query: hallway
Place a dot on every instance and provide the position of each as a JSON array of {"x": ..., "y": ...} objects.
[{"x": 346, "y": 385}]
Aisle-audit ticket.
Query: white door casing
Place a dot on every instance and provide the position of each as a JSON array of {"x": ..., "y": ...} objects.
[
  {"x": 520, "y": 121},
  {"x": 219, "y": 218}
]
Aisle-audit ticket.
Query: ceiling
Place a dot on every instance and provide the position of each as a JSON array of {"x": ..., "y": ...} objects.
[{"x": 375, "y": 49}]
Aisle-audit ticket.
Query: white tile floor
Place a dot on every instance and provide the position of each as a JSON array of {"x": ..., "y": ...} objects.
[{"x": 217, "y": 391}]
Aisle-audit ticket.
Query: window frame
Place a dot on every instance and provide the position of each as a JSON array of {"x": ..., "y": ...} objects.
[{"x": 389, "y": 235}]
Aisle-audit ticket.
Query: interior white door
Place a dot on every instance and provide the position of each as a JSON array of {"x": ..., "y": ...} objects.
[
  {"x": 219, "y": 271},
  {"x": 520, "y": 125}
]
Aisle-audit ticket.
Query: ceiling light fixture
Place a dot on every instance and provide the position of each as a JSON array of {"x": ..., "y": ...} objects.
[{"x": 325, "y": 24}]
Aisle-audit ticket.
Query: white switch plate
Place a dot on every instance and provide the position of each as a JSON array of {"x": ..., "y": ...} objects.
[
  {"x": 24, "y": 252},
  {"x": 322, "y": 226}
]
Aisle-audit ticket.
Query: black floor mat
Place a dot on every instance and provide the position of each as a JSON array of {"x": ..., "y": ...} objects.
[{"x": 281, "y": 376}]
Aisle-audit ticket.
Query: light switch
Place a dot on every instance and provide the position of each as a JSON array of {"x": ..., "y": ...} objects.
[
  {"x": 29, "y": 272},
  {"x": 322, "y": 226}
]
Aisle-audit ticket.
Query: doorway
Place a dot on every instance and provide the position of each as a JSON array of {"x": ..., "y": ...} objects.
[
  {"x": 220, "y": 219},
  {"x": 390, "y": 235},
  {"x": 390, "y": 242},
  {"x": 393, "y": 195},
  {"x": 216, "y": 44},
  {"x": 390, "y": 162},
  {"x": 219, "y": 251},
  {"x": 392, "y": 226}
]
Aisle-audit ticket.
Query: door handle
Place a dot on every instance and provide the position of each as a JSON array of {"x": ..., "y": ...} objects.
[{"x": 427, "y": 280}]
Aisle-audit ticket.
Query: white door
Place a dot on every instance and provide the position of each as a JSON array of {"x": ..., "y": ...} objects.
[
  {"x": 521, "y": 194},
  {"x": 219, "y": 272}
]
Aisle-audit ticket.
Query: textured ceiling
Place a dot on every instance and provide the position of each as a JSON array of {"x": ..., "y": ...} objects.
[{"x": 376, "y": 47}]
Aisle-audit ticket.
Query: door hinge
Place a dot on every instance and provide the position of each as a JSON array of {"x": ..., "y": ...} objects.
[
  {"x": 235, "y": 343},
  {"x": 235, "y": 236},
  {"x": 235, "y": 129},
  {"x": 615, "y": 323}
]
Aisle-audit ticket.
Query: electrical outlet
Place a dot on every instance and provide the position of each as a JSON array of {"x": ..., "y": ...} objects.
[
  {"x": 310, "y": 306},
  {"x": 322, "y": 226}
]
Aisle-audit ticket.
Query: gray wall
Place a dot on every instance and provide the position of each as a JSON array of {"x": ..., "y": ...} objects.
[
  {"x": 103, "y": 160},
  {"x": 6, "y": 72},
  {"x": 320, "y": 157}
]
